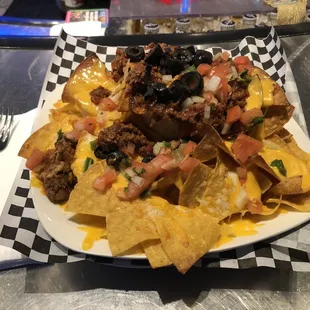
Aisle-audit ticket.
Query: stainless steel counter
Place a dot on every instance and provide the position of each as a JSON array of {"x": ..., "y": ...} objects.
[{"x": 88, "y": 285}]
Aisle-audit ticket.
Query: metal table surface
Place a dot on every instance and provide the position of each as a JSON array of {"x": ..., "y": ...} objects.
[{"x": 87, "y": 285}]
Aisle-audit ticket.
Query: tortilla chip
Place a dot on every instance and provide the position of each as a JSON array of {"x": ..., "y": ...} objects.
[
  {"x": 207, "y": 148},
  {"x": 299, "y": 202},
  {"x": 299, "y": 153},
  {"x": 127, "y": 227},
  {"x": 156, "y": 254},
  {"x": 86, "y": 200},
  {"x": 276, "y": 117},
  {"x": 194, "y": 186},
  {"x": 90, "y": 74},
  {"x": 186, "y": 234},
  {"x": 264, "y": 182},
  {"x": 45, "y": 137},
  {"x": 290, "y": 186}
]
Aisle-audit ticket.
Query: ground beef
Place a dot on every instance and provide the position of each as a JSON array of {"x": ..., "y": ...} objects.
[
  {"x": 119, "y": 135},
  {"x": 239, "y": 93},
  {"x": 98, "y": 94},
  {"x": 118, "y": 64},
  {"x": 55, "y": 171}
]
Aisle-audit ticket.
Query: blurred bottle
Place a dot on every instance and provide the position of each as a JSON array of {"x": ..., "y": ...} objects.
[
  {"x": 308, "y": 17},
  {"x": 249, "y": 21},
  {"x": 238, "y": 21},
  {"x": 182, "y": 25},
  {"x": 228, "y": 24}
]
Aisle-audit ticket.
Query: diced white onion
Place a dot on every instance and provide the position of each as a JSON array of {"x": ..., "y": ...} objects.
[
  {"x": 225, "y": 129},
  {"x": 271, "y": 145},
  {"x": 178, "y": 155},
  {"x": 137, "y": 180},
  {"x": 157, "y": 147},
  {"x": 102, "y": 117},
  {"x": 187, "y": 103},
  {"x": 216, "y": 56},
  {"x": 175, "y": 144},
  {"x": 198, "y": 99},
  {"x": 242, "y": 199},
  {"x": 205, "y": 82},
  {"x": 130, "y": 172},
  {"x": 167, "y": 78},
  {"x": 234, "y": 72},
  {"x": 79, "y": 125},
  {"x": 213, "y": 84},
  {"x": 116, "y": 98},
  {"x": 234, "y": 177},
  {"x": 207, "y": 112}
]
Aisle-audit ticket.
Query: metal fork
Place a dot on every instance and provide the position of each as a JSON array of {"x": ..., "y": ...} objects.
[{"x": 6, "y": 126}]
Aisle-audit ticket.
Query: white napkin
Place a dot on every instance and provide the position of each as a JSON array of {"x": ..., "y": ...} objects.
[{"x": 9, "y": 164}]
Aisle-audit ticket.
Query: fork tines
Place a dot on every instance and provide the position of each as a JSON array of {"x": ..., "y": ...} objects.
[{"x": 6, "y": 125}]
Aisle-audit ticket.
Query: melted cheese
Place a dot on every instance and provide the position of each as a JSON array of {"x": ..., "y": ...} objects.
[
  {"x": 255, "y": 99},
  {"x": 35, "y": 182},
  {"x": 93, "y": 234},
  {"x": 252, "y": 187},
  {"x": 305, "y": 184},
  {"x": 121, "y": 182},
  {"x": 293, "y": 165},
  {"x": 85, "y": 104},
  {"x": 83, "y": 150},
  {"x": 268, "y": 89}
]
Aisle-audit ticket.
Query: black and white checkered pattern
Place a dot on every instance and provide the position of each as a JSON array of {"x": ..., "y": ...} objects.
[{"x": 21, "y": 230}]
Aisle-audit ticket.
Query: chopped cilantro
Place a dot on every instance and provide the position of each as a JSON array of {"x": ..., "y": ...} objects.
[
  {"x": 258, "y": 120},
  {"x": 191, "y": 68},
  {"x": 166, "y": 144},
  {"x": 60, "y": 135},
  {"x": 92, "y": 145},
  {"x": 87, "y": 163},
  {"x": 278, "y": 163},
  {"x": 244, "y": 77},
  {"x": 184, "y": 140},
  {"x": 127, "y": 176},
  {"x": 139, "y": 171},
  {"x": 126, "y": 189}
]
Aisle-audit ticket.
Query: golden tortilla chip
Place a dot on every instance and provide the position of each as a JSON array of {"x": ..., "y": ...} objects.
[
  {"x": 90, "y": 74},
  {"x": 45, "y": 137},
  {"x": 299, "y": 202},
  {"x": 86, "y": 200},
  {"x": 156, "y": 254},
  {"x": 186, "y": 234},
  {"x": 127, "y": 227},
  {"x": 194, "y": 186}
]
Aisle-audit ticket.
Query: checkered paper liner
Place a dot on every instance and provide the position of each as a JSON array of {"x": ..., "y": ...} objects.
[{"x": 21, "y": 230}]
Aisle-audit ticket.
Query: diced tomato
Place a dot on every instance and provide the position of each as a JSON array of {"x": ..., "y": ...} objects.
[
  {"x": 149, "y": 148},
  {"x": 241, "y": 60},
  {"x": 255, "y": 206},
  {"x": 242, "y": 174},
  {"x": 170, "y": 165},
  {"x": 73, "y": 135},
  {"x": 225, "y": 56},
  {"x": 107, "y": 104},
  {"x": 138, "y": 164},
  {"x": 242, "y": 68},
  {"x": 189, "y": 147},
  {"x": 88, "y": 124},
  {"x": 105, "y": 181},
  {"x": 248, "y": 116},
  {"x": 224, "y": 83},
  {"x": 189, "y": 163},
  {"x": 204, "y": 69},
  {"x": 34, "y": 159},
  {"x": 221, "y": 70},
  {"x": 244, "y": 147},
  {"x": 233, "y": 114}
]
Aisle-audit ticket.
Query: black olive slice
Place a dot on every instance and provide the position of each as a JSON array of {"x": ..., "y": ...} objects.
[
  {"x": 148, "y": 158},
  {"x": 114, "y": 159},
  {"x": 135, "y": 53},
  {"x": 202, "y": 57},
  {"x": 102, "y": 151},
  {"x": 192, "y": 49},
  {"x": 178, "y": 91},
  {"x": 174, "y": 66},
  {"x": 162, "y": 92},
  {"x": 184, "y": 55},
  {"x": 193, "y": 81},
  {"x": 154, "y": 55}
]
